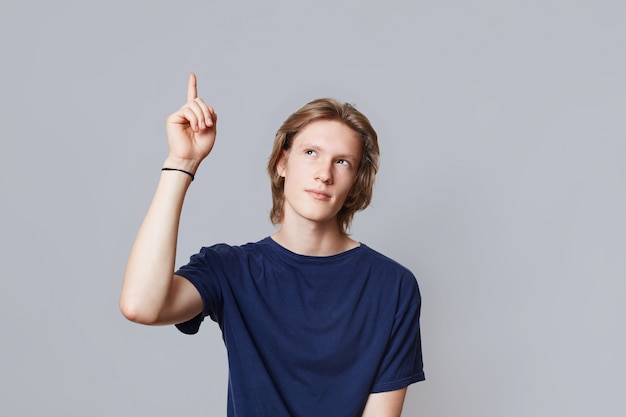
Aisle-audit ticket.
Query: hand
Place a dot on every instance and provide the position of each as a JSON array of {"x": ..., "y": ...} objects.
[{"x": 191, "y": 131}]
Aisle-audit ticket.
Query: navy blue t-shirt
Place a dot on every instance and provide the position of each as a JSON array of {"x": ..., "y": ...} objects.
[{"x": 308, "y": 335}]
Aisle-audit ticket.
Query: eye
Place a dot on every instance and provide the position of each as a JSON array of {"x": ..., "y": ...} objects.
[
  {"x": 310, "y": 152},
  {"x": 344, "y": 162}
]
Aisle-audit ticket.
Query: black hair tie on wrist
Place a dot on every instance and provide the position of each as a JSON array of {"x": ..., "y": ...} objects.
[{"x": 181, "y": 170}]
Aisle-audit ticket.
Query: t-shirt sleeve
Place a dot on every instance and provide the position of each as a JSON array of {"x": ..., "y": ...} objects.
[
  {"x": 402, "y": 363},
  {"x": 205, "y": 271}
]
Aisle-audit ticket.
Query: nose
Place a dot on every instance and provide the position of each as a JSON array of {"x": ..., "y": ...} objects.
[{"x": 324, "y": 173}]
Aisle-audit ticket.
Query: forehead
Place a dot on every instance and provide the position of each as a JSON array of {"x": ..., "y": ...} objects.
[{"x": 330, "y": 135}]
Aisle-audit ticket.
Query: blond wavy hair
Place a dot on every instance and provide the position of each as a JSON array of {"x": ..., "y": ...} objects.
[{"x": 360, "y": 195}]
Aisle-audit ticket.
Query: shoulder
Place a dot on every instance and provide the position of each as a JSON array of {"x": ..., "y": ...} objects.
[
  {"x": 222, "y": 260},
  {"x": 225, "y": 250},
  {"x": 384, "y": 263},
  {"x": 393, "y": 274}
]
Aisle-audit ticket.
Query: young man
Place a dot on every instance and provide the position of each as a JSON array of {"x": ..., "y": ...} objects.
[{"x": 315, "y": 323}]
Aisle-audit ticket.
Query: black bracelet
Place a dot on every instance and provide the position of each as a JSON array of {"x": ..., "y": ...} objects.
[{"x": 181, "y": 170}]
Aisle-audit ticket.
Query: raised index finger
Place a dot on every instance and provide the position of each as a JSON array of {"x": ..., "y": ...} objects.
[{"x": 192, "y": 91}]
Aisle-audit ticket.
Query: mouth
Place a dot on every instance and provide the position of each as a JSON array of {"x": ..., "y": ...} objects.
[{"x": 319, "y": 195}]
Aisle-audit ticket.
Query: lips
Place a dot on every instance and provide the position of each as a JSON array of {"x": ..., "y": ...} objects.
[{"x": 319, "y": 195}]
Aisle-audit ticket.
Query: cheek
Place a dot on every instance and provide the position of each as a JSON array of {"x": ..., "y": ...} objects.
[{"x": 347, "y": 184}]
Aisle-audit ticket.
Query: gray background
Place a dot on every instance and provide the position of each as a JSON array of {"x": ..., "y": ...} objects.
[{"x": 502, "y": 187}]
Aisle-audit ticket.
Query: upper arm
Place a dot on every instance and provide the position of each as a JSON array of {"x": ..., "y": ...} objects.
[
  {"x": 385, "y": 404},
  {"x": 183, "y": 302}
]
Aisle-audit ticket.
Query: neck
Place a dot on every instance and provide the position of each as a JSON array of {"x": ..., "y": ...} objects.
[{"x": 313, "y": 239}]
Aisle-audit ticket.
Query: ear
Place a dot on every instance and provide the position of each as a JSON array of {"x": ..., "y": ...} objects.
[{"x": 281, "y": 164}]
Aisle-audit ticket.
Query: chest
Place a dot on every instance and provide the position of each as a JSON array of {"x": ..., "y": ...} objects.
[{"x": 318, "y": 321}]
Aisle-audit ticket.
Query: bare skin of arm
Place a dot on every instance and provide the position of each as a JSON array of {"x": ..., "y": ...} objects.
[
  {"x": 385, "y": 404},
  {"x": 151, "y": 293}
]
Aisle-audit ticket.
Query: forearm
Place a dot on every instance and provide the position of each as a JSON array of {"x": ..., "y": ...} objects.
[{"x": 150, "y": 268}]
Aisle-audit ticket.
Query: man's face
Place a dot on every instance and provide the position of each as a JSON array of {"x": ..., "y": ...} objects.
[{"x": 319, "y": 171}]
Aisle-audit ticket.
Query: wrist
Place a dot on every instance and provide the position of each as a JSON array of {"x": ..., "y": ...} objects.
[
  {"x": 181, "y": 171},
  {"x": 185, "y": 165}
]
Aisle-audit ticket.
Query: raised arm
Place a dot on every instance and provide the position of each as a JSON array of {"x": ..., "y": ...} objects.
[{"x": 151, "y": 293}]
